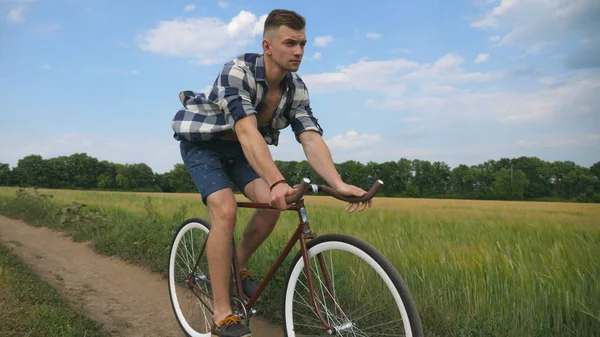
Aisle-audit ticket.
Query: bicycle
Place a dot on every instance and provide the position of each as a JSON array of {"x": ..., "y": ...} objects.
[{"x": 326, "y": 308}]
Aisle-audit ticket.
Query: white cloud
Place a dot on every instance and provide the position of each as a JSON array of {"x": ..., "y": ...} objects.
[
  {"x": 352, "y": 140},
  {"x": 445, "y": 89},
  {"x": 46, "y": 67},
  {"x": 555, "y": 21},
  {"x": 189, "y": 7},
  {"x": 317, "y": 56},
  {"x": 568, "y": 98},
  {"x": 17, "y": 14},
  {"x": 433, "y": 87},
  {"x": 448, "y": 69},
  {"x": 364, "y": 75},
  {"x": 223, "y": 4},
  {"x": 323, "y": 41},
  {"x": 481, "y": 58},
  {"x": 495, "y": 38},
  {"x": 351, "y": 146},
  {"x": 208, "y": 40},
  {"x": 374, "y": 36},
  {"x": 394, "y": 75}
]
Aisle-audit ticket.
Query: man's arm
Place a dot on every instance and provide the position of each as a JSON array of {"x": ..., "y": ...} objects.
[
  {"x": 235, "y": 100},
  {"x": 256, "y": 150},
  {"x": 318, "y": 155}
]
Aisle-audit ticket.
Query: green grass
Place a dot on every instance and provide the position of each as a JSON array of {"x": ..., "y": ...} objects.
[
  {"x": 31, "y": 307},
  {"x": 475, "y": 268}
]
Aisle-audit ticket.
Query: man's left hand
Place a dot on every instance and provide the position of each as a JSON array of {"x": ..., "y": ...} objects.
[{"x": 353, "y": 191}]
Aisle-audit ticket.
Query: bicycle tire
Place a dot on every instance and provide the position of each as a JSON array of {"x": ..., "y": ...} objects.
[
  {"x": 358, "y": 248},
  {"x": 187, "y": 225}
]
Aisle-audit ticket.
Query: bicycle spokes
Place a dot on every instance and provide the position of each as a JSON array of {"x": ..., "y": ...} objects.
[
  {"x": 350, "y": 295},
  {"x": 193, "y": 285}
]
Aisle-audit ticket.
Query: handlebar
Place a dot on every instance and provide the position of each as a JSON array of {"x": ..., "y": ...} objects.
[{"x": 305, "y": 185}]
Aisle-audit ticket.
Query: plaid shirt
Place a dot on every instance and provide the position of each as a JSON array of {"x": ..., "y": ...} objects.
[{"x": 239, "y": 91}]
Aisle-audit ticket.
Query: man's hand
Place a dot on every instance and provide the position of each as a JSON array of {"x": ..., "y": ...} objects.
[
  {"x": 278, "y": 195},
  {"x": 353, "y": 191}
]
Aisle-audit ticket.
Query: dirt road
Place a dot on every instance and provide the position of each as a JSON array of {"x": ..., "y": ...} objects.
[{"x": 127, "y": 299}]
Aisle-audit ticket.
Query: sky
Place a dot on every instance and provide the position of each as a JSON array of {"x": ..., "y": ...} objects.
[{"x": 461, "y": 82}]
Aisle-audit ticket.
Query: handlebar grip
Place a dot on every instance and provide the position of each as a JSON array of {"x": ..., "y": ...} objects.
[
  {"x": 305, "y": 184},
  {"x": 370, "y": 194},
  {"x": 302, "y": 188}
]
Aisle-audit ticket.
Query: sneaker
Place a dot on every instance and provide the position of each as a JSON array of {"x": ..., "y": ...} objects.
[
  {"x": 249, "y": 284},
  {"x": 231, "y": 326}
]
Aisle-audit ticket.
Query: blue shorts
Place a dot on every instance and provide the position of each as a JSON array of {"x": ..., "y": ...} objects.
[{"x": 210, "y": 164}]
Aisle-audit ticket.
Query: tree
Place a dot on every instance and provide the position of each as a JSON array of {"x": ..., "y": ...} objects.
[
  {"x": 177, "y": 180},
  {"x": 107, "y": 175},
  {"x": 558, "y": 171},
  {"x": 83, "y": 170},
  {"x": 538, "y": 174},
  {"x": 509, "y": 185},
  {"x": 462, "y": 180},
  {"x": 137, "y": 177},
  {"x": 4, "y": 175},
  {"x": 484, "y": 179},
  {"x": 353, "y": 172},
  {"x": 59, "y": 174},
  {"x": 31, "y": 172},
  {"x": 506, "y": 178},
  {"x": 595, "y": 171},
  {"x": 579, "y": 183}
]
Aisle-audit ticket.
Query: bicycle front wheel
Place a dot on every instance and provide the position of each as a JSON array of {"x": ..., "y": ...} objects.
[
  {"x": 189, "y": 284},
  {"x": 357, "y": 292}
]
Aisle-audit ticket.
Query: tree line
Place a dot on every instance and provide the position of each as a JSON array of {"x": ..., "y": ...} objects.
[{"x": 522, "y": 178}]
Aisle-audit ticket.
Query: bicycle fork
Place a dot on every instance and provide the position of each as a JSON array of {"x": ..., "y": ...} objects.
[{"x": 325, "y": 273}]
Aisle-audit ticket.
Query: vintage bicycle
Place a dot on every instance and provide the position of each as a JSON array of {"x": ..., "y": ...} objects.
[{"x": 336, "y": 284}]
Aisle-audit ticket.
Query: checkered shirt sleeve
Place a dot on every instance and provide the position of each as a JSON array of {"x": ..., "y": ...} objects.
[
  {"x": 236, "y": 90},
  {"x": 302, "y": 116}
]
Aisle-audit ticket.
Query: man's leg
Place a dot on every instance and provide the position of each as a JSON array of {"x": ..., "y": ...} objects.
[
  {"x": 260, "y": 225},
  {"x": 203, "y": 162},
  {"x": 222, "y": 210}
]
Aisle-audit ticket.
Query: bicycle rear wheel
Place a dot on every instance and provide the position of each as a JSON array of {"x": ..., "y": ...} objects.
[
  {"x": 357, "y": 291},
  {"x": 188, "y": 278}
]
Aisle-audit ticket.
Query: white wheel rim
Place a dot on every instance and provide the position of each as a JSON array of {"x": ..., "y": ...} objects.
[
  {"x": 338, "y": 245},
  {"x": 174, "y": 299}
]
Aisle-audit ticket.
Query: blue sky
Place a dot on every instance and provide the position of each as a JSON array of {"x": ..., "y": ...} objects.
[{"x": 454, "y": 81}]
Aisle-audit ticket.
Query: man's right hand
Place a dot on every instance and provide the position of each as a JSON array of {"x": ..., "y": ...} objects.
[{"x": 278, "y": 194}]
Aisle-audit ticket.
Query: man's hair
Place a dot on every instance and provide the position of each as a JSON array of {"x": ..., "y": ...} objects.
[{"x": 284, "y": 17}]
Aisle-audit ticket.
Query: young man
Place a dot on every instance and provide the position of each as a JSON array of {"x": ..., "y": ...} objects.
[{"x": 226, "y": 135}]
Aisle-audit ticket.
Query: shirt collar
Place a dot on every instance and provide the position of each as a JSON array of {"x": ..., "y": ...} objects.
[
  {"x": 260, "y": 68},
  {"x": 260, "y": 72}
]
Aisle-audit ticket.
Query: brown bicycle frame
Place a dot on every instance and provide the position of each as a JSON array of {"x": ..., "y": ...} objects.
[{"x": 302, "y": 233}]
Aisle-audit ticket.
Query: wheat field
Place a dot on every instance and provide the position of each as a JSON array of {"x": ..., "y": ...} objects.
[{"x": 475, "y": 268}]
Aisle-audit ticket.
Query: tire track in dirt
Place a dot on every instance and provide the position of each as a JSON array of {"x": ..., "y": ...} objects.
[{"x": 128, "y": 299}]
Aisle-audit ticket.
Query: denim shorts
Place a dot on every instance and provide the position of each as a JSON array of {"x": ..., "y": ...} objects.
[{"x": 213, "y": 164}]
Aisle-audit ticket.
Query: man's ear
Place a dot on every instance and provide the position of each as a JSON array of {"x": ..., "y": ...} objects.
[{"x": 266, "y": 47}]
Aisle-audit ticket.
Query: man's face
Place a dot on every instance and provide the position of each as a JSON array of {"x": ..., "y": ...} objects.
[{"x": 286, "y": 47}]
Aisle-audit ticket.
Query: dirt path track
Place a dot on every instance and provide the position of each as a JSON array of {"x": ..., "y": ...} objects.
[{"x": 127, "y": 299}]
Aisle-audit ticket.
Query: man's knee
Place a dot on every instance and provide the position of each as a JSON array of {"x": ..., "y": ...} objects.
[{"x": 223, "y": 209}]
